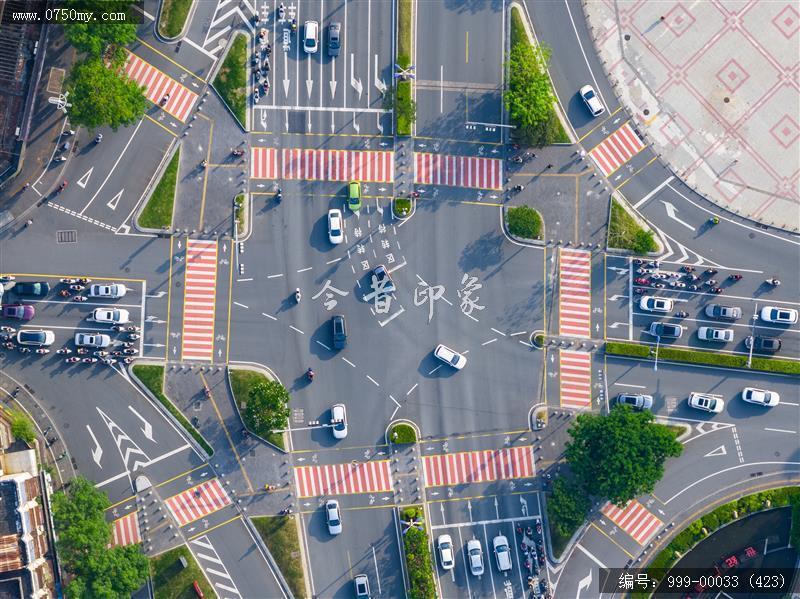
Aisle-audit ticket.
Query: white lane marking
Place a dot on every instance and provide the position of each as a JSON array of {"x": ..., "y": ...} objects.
[
  {"x": 270, "y": 316},
  {"x": 515, "y": 334},
  {"x": 323, "y": 345},
  {"x": 349, "y": 362},
  {"x": 333, "y": 261},
  {"x": 412, "y": 389},
  {"x": 590, "y": 556},
  {"x": 780, "y": 430},
  {"x": 490, "y": 341},
  {"x": 748, "y": 465},
  {"x": 274, "y": 276},
  {"x": 241, "y": 305},
  {"x": 586, "y": 60},
  {"x": 501, "y": 332},
  {"x": 243, "y": 280},
  {"x": 305, "y": 269},
  {"x": 377, "y": 384},
  {"x": 294, "y": 328},
  {"x": 672, "y": 213},
  {"x": 632, "y": 386},
  {"x": 654, "y": 191},
  {"x": 435, "y": 369}
]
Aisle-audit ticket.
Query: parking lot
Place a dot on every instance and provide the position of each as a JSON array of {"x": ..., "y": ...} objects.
[{"x": 626, "y": 320}]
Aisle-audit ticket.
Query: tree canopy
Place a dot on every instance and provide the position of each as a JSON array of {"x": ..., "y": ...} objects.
[
  {"x": 267, "y": 407},
  {"x": 83, "y": 538},
  {"x": 103, "y": 96},
  {"x": 619, "y": 456},
  {"x": 96, "y": 37},
  {"x": 568, "y": 505},
  {"x": 529, "y": 97}
]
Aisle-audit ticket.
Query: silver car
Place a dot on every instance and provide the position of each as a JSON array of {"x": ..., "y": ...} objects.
[
  {"x": 92, "y": 340},
  {"x": 638, "y": 401},
  {"x": 723, "y": 312},
  {"x": 713, "y": 334},
  {"x": 475, "y": 557},
  {"x": 332, "y": 517},
  {"x": 113, "y": 291}
]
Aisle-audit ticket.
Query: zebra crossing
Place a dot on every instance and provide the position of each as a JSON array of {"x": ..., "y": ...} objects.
[
  {"x": 478, "y": 466},
  {"x": 197, "y": 502},
  {"x": 575, "y": 293},
  {"x": 199, "y": 300},
  {"x": 616, "y": 149},
  {"x": 342, "y": 479},
  {"x": 575, "y": 374},
  {"x": 635, "y": 520},
  {"x": 158, "y": 84},
  {"x": 458, "y": 171},
  {"x": 126, "y": 530},
  {"x": 209, "y": 560}
]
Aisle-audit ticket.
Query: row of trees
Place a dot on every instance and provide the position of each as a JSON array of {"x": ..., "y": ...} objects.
[
  {"x": 99, "y": 90},
  {"x": 617, "y": 457},
  {"x": 84, "y": 536}
]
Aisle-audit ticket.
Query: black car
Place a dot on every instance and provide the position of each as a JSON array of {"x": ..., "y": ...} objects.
[
  {"x": 385, "y": 282},
  {"x": 32, "y": 288},
  {"x": 339, "y": 332},
  {"x": 769, "y": 345},
  {"x": 334, "y": 39}
]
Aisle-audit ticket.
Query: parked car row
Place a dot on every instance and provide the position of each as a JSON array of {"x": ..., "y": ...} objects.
[
  {"x": 311, "y": 38},
  {"x": 708, "y": 402},
  {"x": 474, "y": 552}
]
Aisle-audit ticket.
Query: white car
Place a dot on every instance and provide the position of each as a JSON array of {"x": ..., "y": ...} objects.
[
  {"x": 656, "y": 304},
  {"x": 779, "y": 315},
  {"x": 761, "y": 397},
  {"x": 332, "y": 517},
  {"x": 707, "y": 402},
  {"x": 38, "y": 337},
  {"x": 111, "y": 316},
  {"x": 114, "y": 291},
  {"x": 339, "y": 421},
  {"x": 92, "y": 340},
  {"x": 335, "y": 226},
  {"x": 712, "y": 334},
  {"x": 502, "y": 552},
  {"x": 311, "y": 37},
  {"x": 475, "y": 557},
  {"x": 445, "y": 545},
  {"x": 593, "y": 102},
  {"x": 449, "y": 356}
]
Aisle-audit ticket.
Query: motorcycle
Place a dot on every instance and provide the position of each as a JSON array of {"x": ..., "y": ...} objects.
[
  {"x": 84, "y": 281},
  {"x": 130, "y": 351},
  {"x": 659, "y": 275},
  {"x": 41, "y": 351},
  {"x": 76, "y": 287},
  {"x": 644, "y": 271},
  {"x": 109, "y": 361},
  {"x": 518, "y": 188},
  {"x": 127, "y": 344},
  {"x": 7, "y": 278},
  {"x": 8, "y": 345},
  {"x": 100, "y": 353},
  {"x": 677, "y": 284},
  {"x": 8, "y": 329},
  {"x": 693, "y": 287},
  {"x": 310, "y": 374},
  {"x": 64, "y": 350},
  {"x": 692, "y": 277},
  {"x": 278, "y": 196},
  {"x": 25, "y": 350},
  {"x": 774, "y": 282},
  {"x": 79, "y": 298},
  {"x": 69, "y": 281},
  {"x": 61, "y": 159},
  {"x": 294, "y": 25},
  {"x": 63, "y": 186},
  {"x": 655, "y": 285},
  {"x": 714, "y": 220},
  {"x": 681, "y": 314},
  {"x": 82, "y": 350},
  {"x": 641, "y": 281},
  {"x": 710, "y": 283},
  {"x": 89, "y": 360},
  {"x": 687, "y": 268},
  {"x": 99, "y": 138},
  {"x": 72, "y": 360},
  {"x": 710, "y": 271},
  {"x": 639, "y": 290},
  {"x": 716, "y": 290},
  {"x": 133, "y": 336},
  {"x": 281, "y": 12},
  {"x": 164, "y": 100},
  {"x": 735, "y": 277},
  {"x": 297, "y": 295}
]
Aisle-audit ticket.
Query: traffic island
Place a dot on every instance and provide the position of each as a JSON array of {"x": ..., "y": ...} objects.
[
  {"x": 629, "y": 233},
  {"x": 279, "y": 534},
  {"x": 240, "y": 215},
  {"x": 173, "y": 17},
  {"x": 400, "y": 97},
  {"x": 416, "y": 545},
  {"x": 231, "y": 80},
  {"x": 263, "y": 405},
  {"x": 157, "y": 212},
  {"x": 175, "y": 573},
  {"x": 402, "y": 433},
  {"x": 402, "y": 208}
]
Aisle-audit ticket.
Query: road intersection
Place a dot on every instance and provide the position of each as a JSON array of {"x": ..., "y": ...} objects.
[{"x": 208, "y": 299}]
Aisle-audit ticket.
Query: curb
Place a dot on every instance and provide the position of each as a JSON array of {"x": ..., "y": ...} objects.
[
  {"x": 640, "y": 220},
  {"x": 213, "y": 75},
  {"x": 182, "y": 34},
  {"x": 248, "y": 225},
  {"x": 403, "y": 219},
  {"x": 270, "y": 375},
  {"x": 535, "y": 243},
  {"x": 148, "y": 192},
  {"x": 397, "y": 421}
]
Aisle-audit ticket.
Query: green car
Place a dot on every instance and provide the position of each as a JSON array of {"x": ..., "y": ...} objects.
[{"x": 354, "y": 196}]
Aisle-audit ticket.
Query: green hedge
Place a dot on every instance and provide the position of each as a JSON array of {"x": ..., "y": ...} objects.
[
  {"x": 524, "y": 222},
  {"x": 404, "y": 434},
  {"x": 152, "y": 377},
  {"x": 401, "y": 207},
  {"x": 625, "y": 233},
  {"x": 693, "y": 534},
  {"x": 231, "y": 80},
  {"x": 404, "y": 108},
  {"x": 157, "y": 213},
  {"x": 418, "y": 557},
  {"x": 173, "y": 17},
  {"x": 638, "y": 350}
]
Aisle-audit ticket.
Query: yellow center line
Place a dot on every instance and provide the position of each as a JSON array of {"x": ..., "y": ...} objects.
[
  {"x": 651, "y": 161},
  {"x": 227, "y": 434},
  {"x": 596, "y": 127},
  {"x": 208, "y": 530},
  {"x": 131, "y": 498},
  {"x": 181, "y": 475},
  {"x": 610, "y": 538},
  {"x": 177, "y": 64},
  {"x": 467, "y": 48},
  {"x": 169, "y": 297},
  {"x": 148, "y": 117}
]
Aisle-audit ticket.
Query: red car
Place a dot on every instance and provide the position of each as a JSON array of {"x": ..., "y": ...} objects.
[{"x": 18, "y": 311}]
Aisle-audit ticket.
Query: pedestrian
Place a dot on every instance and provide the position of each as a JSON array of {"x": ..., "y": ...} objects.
[{"x": 550, "y": 165}]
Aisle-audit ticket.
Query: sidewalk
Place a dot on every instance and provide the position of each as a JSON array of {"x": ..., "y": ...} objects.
[{"x": 710, "y": 85}]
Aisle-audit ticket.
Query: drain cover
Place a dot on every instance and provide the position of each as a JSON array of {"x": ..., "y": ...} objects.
[{"x": 70, "y": 236}]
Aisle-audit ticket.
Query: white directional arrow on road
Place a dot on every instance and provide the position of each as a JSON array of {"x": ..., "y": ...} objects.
[
  {"x": 524, "y": 503},
  {"x": 614, "y": 325},
  {"x": 584, "y": 584},
  {"x": 97, "y": 452},
  {"x": 115, "y": 200},
  {"x": 379, "y": 83},
  {"x": 286, "y": 70},
  {"x": 85, "y": 178},
  {"x": 672, "y": 211},
  {"x": 157, "y": 294},
  {"x": 355, "y": 82},
  {"x": 618, "y": 269},
  {"x": 715, "y": 452},
  {"x": 614, "y": 298},
  {"x": 309, "y": 80},
  {"x": 148, "y": 428}
]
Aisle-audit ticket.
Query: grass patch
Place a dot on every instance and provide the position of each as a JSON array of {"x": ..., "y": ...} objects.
[
  {"x": 402, "y": 433},
  {"x": 401, "y": 207},
  {"x": 524, "y": 222},
  {"x": 549, "y": 130},
  {"x": 152, "y": 377},
  {"x": 241, "y": 383},
  {"x": 240, "y": 214},
  {"x": 637, "y": 350},
  {"x": 728, "y": 512},
  {"x": 418, "y": 555},
  {"x": 157, "y": 213},
  {"x": 403, "y": 106},
  {"x": 539, "y": 340},
  {"x": 626, "y": 234},
  {"x": 173, "y": 17},
  {"x": 676, "y": 430},
  {"x": 231, "y": 80},
  {"x": 404, "y": 32},
  {"x": 172, "y": 581},
  {"x": 279, "y": 534},
  {"x": 558, "y": 541}
]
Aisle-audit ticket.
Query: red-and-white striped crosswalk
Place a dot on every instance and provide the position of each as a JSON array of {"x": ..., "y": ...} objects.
[
  {"x": 635, "y": 520},
  {"x": 616, "y": 149},
  {"x": 575, "y": 374},
  {"x": 337, "y": 165},
  {"x": 263, "y": 163},
  {"x": 198, "y": 300},
  {"x": 342, "y": 479},
  {"x": 458, "y": 171},
  {"x": 197, "y": 502},
  {"x": 478, "y": 466},
  {"x": 157, "y": 84},
  {"x": 574, "y": 293},
  {"x": 126, "y": 530}
]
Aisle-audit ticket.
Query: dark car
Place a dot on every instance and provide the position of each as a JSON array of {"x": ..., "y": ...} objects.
[
  {"x": 339, "y": 331},
  {"x": 385, "y": 282},
  {"x": 334, "y": 39},
  {"x": 723, "y": 312},
  {"x": 32, "y": 288},
  {"x": 665, "y": 329},
  {"x": 769, "y": 345},
  {"x": 18, "y": 311}
]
